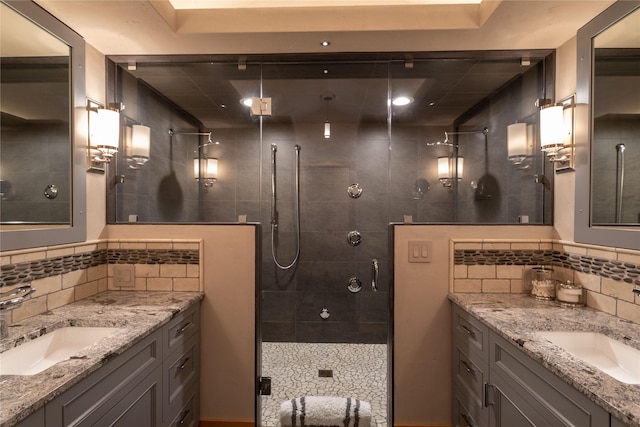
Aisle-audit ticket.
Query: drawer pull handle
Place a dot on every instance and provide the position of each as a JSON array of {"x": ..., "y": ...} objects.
[
  {"x": 183, "y": 418},
  {"x": 467, "y": 367},
  {"x": 185, "y": 327},
  {"x": 467, "y": 420},
  {"x": 184, "y": 363},
  {"x": 468, "y": 331}
]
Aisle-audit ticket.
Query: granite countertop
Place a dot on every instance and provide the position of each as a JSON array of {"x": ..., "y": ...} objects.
[
  {"x": 138, "y": 314},
  {"x": 518, "y": 317}
]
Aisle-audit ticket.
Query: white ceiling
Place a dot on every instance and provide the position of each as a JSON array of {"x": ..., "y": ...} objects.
[{"x": 138, "y": 27}]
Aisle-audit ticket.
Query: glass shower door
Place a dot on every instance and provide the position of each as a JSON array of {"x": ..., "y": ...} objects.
[{"x": 324, "y": 328}]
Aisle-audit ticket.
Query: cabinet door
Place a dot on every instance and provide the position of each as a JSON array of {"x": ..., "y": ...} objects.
[
  {"x": 140, "y": 407},
  {"x": 506, "y": 413},
  {"x": 536, "y": 393},
  {"x": 95, "y": 395}
]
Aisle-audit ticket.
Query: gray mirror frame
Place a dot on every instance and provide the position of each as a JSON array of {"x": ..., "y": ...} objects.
[
  {"x": 584, "y": 232},
  {"x": 77, "y": 231}
]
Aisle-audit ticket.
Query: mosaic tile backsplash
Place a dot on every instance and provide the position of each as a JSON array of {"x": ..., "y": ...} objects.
[
  {"x": 65, "y": 274},
  {"x": 25, "y": 272},
  {"x": 497, "y": 266},
  {"x": 616, "y": 270}
]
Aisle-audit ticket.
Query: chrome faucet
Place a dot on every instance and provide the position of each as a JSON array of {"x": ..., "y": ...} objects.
[
  {"x": 11, "y": 300},
  {"x": 14, "y": 298}
]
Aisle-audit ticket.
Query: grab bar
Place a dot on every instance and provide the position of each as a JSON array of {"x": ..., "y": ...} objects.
[{"x": 375, "y": 271}]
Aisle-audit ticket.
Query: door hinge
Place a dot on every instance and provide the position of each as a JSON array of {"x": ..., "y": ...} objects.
[
  {"x": 488, "y": 395},
  {"x": 264, "y": 386}
]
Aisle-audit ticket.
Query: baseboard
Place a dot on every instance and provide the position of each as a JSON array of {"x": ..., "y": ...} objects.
[{"x": 226, "y": 423}]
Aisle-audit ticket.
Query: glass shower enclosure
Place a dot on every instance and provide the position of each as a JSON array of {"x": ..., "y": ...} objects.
[{"x": 325, "y": 157}]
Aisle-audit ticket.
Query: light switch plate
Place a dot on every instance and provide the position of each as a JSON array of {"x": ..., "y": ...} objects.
[{"x": 420, "y": 250}]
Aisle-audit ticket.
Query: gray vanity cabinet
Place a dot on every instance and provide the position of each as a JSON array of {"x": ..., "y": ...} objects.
[
  {"x": 495, "y": 384},
  {"x": 154, "y": 383},
  {"x": 470, "y": 365},
  {"x": 531, "y": 392},
  {"x": 181, "y": 370},
  {"x": 129, "y": 383}
]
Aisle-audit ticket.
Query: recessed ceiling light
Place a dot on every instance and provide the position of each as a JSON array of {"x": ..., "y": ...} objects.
[
  {"x": 246, "y": 102},
  {"x": 402, "y": 100},
  {"x": 325, "y": 43}
]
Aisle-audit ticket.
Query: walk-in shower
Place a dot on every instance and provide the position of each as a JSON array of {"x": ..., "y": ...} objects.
[
  {"x": 274, "y": 208},
  {"x": 324, "y": 270}
]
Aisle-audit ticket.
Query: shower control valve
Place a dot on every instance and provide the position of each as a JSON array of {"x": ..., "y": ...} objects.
[{"x": 354, "y": 238}]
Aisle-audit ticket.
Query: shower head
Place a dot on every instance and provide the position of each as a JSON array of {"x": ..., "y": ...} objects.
[{"x": 445, "y": 143}]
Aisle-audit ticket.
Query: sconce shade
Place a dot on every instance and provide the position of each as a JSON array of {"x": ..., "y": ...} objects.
[
  {"x": 105, "y": 131},
  {"x": 443, "y": 167},
  {"x": 209, "y": 170},
  {"x": 140, "y": 142},
  {"x": 327, "y": 130},
  {"x": 517, "y": 147},
  {"x": 551, "y": 128},
  {"x": 447, "y": 169}
]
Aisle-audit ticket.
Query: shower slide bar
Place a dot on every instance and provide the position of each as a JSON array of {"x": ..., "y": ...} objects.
[
  {"x": 274, "y": 211},
  {"x": 619, "y": 180}
]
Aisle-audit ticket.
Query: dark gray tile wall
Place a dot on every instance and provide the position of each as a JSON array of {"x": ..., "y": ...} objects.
[
  {"x": 397, "y": 171},
  {"x": 609, "y": 132},
  {"x": 27, "y": 169}
]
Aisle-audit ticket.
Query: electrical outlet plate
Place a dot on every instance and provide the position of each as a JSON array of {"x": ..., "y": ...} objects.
[{"x": 124, "y": 275}]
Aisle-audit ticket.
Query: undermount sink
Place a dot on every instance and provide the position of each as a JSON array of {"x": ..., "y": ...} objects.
[
  {"x": 43, "y": 352},
  {"x": 612, "y": 357}
]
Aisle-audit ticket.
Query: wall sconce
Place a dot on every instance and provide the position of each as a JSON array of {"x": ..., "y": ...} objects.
[
  {"x": 209, "y": 168},
  {"x": 104, "y": 135},
  {"x": 138, "y": 141},
  {"x": 448, "y": 171},
  {"x": 327, "y": 130},
  {"x": 557, "y": 132},
  {"x": 517, "y": 146}
]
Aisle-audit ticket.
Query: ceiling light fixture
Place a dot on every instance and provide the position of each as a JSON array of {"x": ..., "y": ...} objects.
[
  {"x": 325, "y": 43},
  {"x": 399, "y": 101}
]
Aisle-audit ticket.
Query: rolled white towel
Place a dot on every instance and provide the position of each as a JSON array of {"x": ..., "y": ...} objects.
[{"x": 325, "y": 411}]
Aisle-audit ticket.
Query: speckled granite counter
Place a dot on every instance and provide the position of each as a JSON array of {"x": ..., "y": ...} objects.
[
  {"x": 518, "y": 317},
  {"x": 137, "y": 313}
]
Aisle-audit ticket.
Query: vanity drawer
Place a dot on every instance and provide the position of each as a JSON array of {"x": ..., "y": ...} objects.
[
  {"x": 470, "y": 375},
  {"x": 469, "y": 334},
  {"x": 181, "y": 328},
  {"x": 466, "y": 413},
  {"x": 188, "y": 415},
  {"x": 181, "y": 374}
]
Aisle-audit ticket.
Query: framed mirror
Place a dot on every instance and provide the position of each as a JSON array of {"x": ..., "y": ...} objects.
[
  {"x": 43, "y": 144},
  {"x": 608, "y": 129}
]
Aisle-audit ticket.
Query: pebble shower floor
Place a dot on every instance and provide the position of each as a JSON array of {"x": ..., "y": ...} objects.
[{"x": 359, "y": 370}]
